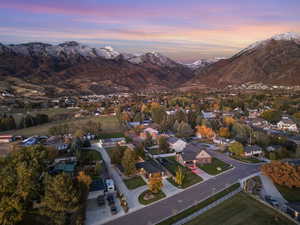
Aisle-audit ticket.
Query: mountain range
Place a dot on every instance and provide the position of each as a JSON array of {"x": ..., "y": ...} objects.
[{"x": 74, "y": 68}]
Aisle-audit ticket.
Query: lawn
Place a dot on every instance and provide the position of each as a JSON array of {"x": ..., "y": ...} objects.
[
  {"x": 199, "y": 206},
  {"x": 157, "y": 197},
  {"x": 110, "y": 125},
  {"x": 239, "y": 210},
  {"x": 290, "y": 194},
  {"x": 189, "y": 179},
  {"x": 247, "y": 160},
  {"x": 90, "y": 154},
  {"x": 212, "y": 168},
  {"x": 135, "y": 182}
]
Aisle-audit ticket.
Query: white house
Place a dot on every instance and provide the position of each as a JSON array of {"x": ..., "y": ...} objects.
[
  {"x": 287, "y": 124},
  {"x": 208, "y": 115},
  {"x": 252, "y": 150},
  {"x": 222, "y": 141},
  {"x": 176, "y": 144}
]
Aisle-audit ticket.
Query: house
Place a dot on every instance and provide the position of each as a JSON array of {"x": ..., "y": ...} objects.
[
  {"x": 176, "y": 144},
  {"x": 253, "y": 113},
  {"x": 222, "y": 141},
  {"x": 287, "y": 124},
  {"x": 149, "y": 168},
  {"x": 112, "y": 142},
  {"x": 192, "y": 155},
  {"x": 258, "y": 122},
  {"x": 153, "y": 132},
  {"x": 252, "y": 150},
  {"x": 6, "y": 138},
  {"x": 64, "y": 167},
  {"x": 293, "y": 209},
  {"x": 208, "y": 115},
  {"x": 134, "y": 124},
  {"x": 170, "y": 112}
]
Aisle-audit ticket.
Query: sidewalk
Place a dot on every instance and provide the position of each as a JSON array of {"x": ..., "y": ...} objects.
[{"x": 270, "y": 189}]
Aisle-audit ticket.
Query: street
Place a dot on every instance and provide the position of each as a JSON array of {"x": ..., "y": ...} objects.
[{"x": 158, "y": 211}]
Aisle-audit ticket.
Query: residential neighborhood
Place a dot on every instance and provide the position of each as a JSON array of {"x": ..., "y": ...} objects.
[{"x": 129, "y": 162}]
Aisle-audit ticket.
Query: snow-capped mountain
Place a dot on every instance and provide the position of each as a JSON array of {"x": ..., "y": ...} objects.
[
  {"x": 274, "y": 61},
  {"x": 67, "y": 49},
  {"x": 75, "y": 67},
  {"x": 154, "y": 58},
  {"x": 203, "y": 62},
  {"x": 289, "y": 36}
]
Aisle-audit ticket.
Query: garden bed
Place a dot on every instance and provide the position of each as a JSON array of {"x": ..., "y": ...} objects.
[{"x": 156, "y": 197}]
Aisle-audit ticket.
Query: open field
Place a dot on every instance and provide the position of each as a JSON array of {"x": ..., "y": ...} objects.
[
  {"x": 212, "y": 168},
  {"x": 110, "y": 124},
  {"x": 289, "y": 194},
  {"x": 51, "y": 112},
  {"x": 199, "y": 206},
  {"x": 239, "y": 210}
]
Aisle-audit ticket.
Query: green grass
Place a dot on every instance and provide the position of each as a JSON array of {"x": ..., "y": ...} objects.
[
  {"x": 290, "y": 194},
  {"x": 157, "y": 197},
  {"x": 135, "y": 182},
  {"x": 199, "y": 206},
  {"x": 110, "y": 125},
  {"x": 247, "y": 160},
  {"x": 189, "y": 179},
  {"x": 91, "y": 154},
  {"x": 212, "y": 167},
  {"x": 239, "y": 210}
]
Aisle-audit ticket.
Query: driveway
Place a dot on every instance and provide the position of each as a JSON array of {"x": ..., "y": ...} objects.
[{"x": 202, "y": 174}]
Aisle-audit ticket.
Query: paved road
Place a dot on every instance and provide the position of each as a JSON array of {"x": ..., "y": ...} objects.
[{"x": 172, "y": 205}]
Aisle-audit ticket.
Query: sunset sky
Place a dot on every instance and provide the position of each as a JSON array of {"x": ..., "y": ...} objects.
[{"x": 184, "y": 30}]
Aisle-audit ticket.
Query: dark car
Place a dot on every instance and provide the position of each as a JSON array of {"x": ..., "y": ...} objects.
[
  {"x": 101, "y": 200},
  {"x": 113, "y": 209},
  {"x": 110, "y": 199}
]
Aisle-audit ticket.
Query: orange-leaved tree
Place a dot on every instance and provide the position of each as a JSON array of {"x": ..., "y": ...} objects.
[
  {"x": 205, "y": 131},
  {"x": 282, "y": 173}
]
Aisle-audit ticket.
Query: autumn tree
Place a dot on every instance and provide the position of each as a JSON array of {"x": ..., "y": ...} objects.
[
  {"x": 282, "y": 173},
  {"x": 205, "y": 131},
  {"x": 224, "y": 132},
  {"x": 179, "y": 178},
  {"x": 84, "y": 179},
  {"x": 236, "y": 148},
  {"x": 155, "y": 183},
  {"x": 116, "y": 154},
  {"x": 272, "y": 116},
  {"x": 228, "y": 120},
  {"x": 61, "y": 198},
  {"x": 128, "y": 162},
  {"x": 163, "y": 145}
]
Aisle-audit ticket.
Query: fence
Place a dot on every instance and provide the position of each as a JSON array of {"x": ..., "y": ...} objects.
[{"x": 201, "y": 211}]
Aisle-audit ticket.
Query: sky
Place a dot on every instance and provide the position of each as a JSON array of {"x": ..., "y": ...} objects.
[{"x": 185, "y": 30}]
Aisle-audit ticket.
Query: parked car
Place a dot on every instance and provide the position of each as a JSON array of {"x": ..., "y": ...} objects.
[
  {"x": 113, "y": 209},
  {"x": 110, "y": 187},
  {"x": 101, "y": 200},
  {"x": 111, "y": 200}
]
